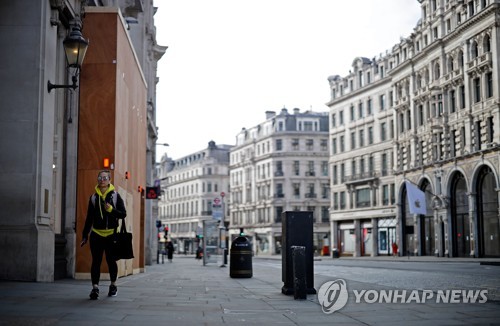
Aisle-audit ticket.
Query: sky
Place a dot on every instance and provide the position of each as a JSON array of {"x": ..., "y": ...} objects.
[{"x": 230, "y": 61}]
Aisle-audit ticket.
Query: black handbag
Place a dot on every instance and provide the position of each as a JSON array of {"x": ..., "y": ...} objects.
[{"x": 122, "y": 244}]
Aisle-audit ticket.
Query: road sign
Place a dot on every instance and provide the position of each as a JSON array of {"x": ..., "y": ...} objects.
[{"x": 222, "y": 194}]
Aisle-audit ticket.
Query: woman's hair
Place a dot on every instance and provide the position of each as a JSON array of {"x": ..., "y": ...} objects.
[{"x": 105, "y": 171}]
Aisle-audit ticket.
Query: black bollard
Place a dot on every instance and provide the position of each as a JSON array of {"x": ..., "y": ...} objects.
[
  {"x": 297, "y": 230},
  {"x": 299, "y": 272}
]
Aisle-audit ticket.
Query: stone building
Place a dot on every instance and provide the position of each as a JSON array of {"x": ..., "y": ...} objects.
[
  {"x": 436, "y": 123},
  {"x": 190, "y": 187},
  {"x": 40, "y": 132},
  {"x": 280, "y": 165}
]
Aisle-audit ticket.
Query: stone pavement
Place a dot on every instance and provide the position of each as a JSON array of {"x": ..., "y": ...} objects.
[{"x": 185, "y": 292}]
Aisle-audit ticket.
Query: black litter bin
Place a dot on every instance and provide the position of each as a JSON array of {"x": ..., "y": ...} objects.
[{"x": 240, "y": 258}]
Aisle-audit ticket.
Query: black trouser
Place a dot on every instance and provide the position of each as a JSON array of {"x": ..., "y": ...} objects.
[{"x": 98, "y": 246}]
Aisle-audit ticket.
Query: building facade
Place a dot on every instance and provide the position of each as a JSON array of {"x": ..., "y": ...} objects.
[
  {"x": 436, "y": 123},
  {"x": 40, "y": 130},
  {"x": 280, "y": 165},
  {"x": 190, "y": 187}
]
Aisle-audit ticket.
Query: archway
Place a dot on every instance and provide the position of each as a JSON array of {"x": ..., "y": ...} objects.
[
  {"x": 487, "y": 214},
  {"x": 460, "y": 221}
]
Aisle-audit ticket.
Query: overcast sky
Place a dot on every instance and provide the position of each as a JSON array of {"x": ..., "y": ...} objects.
[{"x": 229, "y": 61}]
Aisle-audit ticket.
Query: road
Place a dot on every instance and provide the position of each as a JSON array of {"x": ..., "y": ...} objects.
[{"x": 409, "y": 275}]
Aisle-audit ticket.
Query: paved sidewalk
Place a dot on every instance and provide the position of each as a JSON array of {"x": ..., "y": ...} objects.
[{"x": 185, "y": 292}]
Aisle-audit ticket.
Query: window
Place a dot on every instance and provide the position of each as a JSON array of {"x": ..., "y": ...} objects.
[
  {"x": 477, "y": 135},
  {"x": 334, "y": 120},
  {"x": 369, "y": 107},
  {"x": 324, "y": 168},
  {"x": 309, "y": 144},
  {"x": 462, "y": 96},
  {"x": 384, "y": 165},
  {"x": 279, "y": 190},
  {"x": 489, "y": 84},
  {"x": 308, "y": 126},
  {"x": 361, "y": 112},
  {"x": 401, "y": 122},
  {"x": 335, "y": 201},
  {"x": 279, "y": 144},
  {"x": 295, "y": 144},
  {"x": 353, "y": 140},
  {"x": 382, "y": 102},
  {"x": 420, "y": 112},
  {"x": 342, "y": 172},
  {"x": 453, "y": 100},
  {"x": 325, "y": 214},
  {"x": 363, "y": 197},
  {"x": 453, "y": 146},
  {"x": 383, "y": 131},
  {"x": 342, "y": 200},
  {"x": 489, "y": 129},
  {"x": 296, "y": 167},
  {"x": 310, "y": 167},
  {"x": 473, "y": 50},
  {"x": 385, "y": 195},
  {"x": 352, "y": 113},
  {"x": 361, "y": 138},
  {"x": 279, "y": 169},
  {"x": 324, "y": 144},
  {"x": 341, "y": 118},
  {"x": 334, "y": 175},
  {"x": 296, "y": 190},
  {"x": 370, "y": 135},
  {"x": 353, "y": 168},
  {"x": 334, "y": 145},
  {"x": 342, "y": 144},
  {"x": 477, "y": 89}
]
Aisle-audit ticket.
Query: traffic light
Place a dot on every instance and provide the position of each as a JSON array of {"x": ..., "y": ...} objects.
[
  {"x": 158, "y": 224},
  {"x": 242, "y": 234},
  {"x": 166, "y": 232}
]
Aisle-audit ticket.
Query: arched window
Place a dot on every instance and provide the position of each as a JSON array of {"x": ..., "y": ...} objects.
[
  {"x": 450, "y": 64},
  {"x": 437, "y": 71},
  {"x": 486, "y": 44},
  {"x": 460, "y": 58},
  {"x": 473, "y": 50}
]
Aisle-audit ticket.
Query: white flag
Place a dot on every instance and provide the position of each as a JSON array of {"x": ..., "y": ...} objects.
[{"x": 416, "y": 199}]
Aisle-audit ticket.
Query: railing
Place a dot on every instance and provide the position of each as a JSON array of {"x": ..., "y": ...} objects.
[
  {"x": 361, "y": 176},
  {"x": 310, "y": 195}
]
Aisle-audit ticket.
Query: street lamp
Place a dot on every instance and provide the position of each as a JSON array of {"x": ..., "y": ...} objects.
[
  {"x": 162, "y": 144},
  {"x": 75, "y": 47}
]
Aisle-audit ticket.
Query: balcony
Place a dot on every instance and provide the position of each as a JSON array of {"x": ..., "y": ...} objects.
[
  {"x": 480, "y": 61},
  {"x": 279, "y": 195},
  {"x": 310, "y": 195},
  {"x": 278, "y": 173},
  {"x": 360, "y": 178},
  {"x": 310, "y": 174}
]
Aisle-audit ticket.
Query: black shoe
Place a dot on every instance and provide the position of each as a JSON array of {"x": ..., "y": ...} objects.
[
  {"x": 112, "y": 290},
  {"x": 94, "y": 294}
]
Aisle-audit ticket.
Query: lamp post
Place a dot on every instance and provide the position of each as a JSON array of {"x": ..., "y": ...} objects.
[{"x": 75, "y": 47}]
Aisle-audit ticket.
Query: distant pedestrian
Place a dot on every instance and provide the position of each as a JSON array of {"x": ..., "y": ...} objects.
[
  {"x": 170, "y": 251},
  {"x": 394, "y": 249},
  {"x": 199, "y": 253},
  {"x": 104, "y": 210}
]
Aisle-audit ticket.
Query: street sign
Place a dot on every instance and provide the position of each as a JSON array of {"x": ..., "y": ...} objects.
[{"x": 222, "y": 194}]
